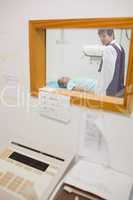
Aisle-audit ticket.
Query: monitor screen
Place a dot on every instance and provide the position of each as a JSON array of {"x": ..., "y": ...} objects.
[{"x": 29, "y": 161}]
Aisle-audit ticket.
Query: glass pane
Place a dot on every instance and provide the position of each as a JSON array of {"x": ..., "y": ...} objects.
[{"x": 92, "y": 60}]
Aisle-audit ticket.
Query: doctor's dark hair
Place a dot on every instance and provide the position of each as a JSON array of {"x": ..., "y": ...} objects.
[{"x": 110, "y": 32}]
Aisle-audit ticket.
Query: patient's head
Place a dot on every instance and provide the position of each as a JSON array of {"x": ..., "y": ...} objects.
[{"x": 63, "y": 81}]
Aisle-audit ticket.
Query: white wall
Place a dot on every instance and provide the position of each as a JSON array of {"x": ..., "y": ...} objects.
[
  {"x": 65, "y": 58},
  {"x": 14, "y": 61}
]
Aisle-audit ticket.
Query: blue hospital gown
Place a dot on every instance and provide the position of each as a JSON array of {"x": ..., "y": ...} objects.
[{"x": 86, "y": 84}]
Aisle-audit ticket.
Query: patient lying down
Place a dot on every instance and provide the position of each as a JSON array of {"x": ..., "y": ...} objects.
[{"x": 79, "y": 84}]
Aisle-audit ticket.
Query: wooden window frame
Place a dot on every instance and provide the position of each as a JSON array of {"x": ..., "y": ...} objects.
[{"x": 37, "y": 51}]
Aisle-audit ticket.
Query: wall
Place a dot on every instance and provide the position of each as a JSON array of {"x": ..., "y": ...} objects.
[
  {"x": 67, "y": 55},
  {"x": 17, "y": 122}
]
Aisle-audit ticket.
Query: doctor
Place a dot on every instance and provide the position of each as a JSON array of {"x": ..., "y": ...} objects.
[{"x": 112, "y": 66}]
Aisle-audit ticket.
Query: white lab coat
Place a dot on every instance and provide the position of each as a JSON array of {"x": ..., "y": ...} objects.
[{"x": 108, "y": 68}]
